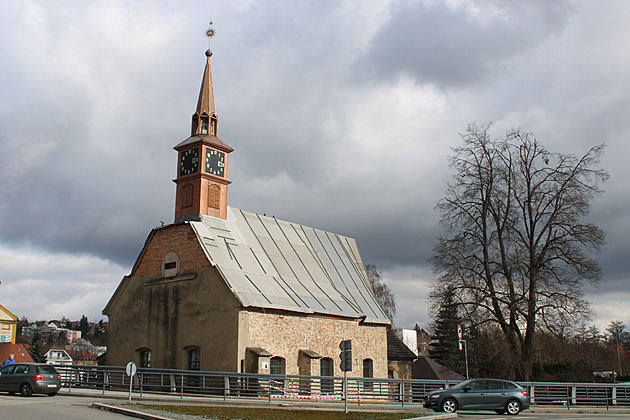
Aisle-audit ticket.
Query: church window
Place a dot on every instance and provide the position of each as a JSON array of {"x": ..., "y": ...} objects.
[
  {"x": 368, "y": 368},
  {"x": 170, "y": 264},
  {"x": 368, "y": 372},
  {"x": 326, "y": 369},
  {"x": 277, "y": 366},
  {"x": 187, "y": 195},
  {"x": 213, "y": 126},
  {"x": 204, "y": 125},
  {"x": 194, "y": 358},
  {"x": 214, "y": 196},
  {"x": 144, "y": 357}
]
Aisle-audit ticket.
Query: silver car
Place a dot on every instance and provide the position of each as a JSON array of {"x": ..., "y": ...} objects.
[
  {"x": 29, "y": 378},
  {"x": 498, "y": 395}
]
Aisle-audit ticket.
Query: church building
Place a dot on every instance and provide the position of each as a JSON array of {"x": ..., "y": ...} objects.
[{"x": 224, "y": 289}]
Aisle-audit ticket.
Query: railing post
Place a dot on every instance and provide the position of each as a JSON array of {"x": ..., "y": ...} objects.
[
  {"x": 226, "y": 387},
  {"x": 181, "y": 394},
  {"x": 532, "y": 387},
  {"x": 402, "y": 392},
  {"x": 574, "y": 395}
]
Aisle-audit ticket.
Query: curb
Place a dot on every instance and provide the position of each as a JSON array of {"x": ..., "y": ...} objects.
[{"x": 127, "y": 412}]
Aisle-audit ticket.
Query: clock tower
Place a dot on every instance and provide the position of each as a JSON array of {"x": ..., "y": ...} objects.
[{"x": 202, "y": 161}]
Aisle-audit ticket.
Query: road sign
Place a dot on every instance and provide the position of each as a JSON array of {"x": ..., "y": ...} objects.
[
  {"x": 131, "y": 369},
  {"x": 460, "y": 333},
  {"x": 346, "y": 355}
]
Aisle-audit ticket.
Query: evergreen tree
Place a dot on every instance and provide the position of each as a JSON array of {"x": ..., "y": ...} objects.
[
  {"x": 445, "y": 345},
  {"x": 84, "y": 327},
  {"x": 37, "y": 349}
]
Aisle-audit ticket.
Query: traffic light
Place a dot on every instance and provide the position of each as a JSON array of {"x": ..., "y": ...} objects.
[{"x": 346, "y": 355}]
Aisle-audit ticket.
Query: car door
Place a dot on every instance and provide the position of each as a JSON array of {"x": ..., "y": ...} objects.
[
  {"x": 19, "y": 376},
  {"x": 473, "y": 395},
  {"x": 497, "y": 394},
  {"x": 7, "y": 379}
]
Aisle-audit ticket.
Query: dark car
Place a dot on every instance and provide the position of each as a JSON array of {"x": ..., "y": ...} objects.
[
  {"x": 29, "y": 378},
  {"x": 480, "y": 394}
]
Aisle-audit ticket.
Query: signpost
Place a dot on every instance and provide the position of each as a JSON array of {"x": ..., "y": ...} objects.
[
  {"x": 131, "y": 372},
  {"x": 346, "y": 366},
  {"x": 460, "y": 335}
]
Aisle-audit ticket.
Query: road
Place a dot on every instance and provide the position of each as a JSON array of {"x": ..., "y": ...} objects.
[
  {"x": 560, "y": 415},
  {"x": 69, "y": 407},
  {"x": 59, "y": 407}
]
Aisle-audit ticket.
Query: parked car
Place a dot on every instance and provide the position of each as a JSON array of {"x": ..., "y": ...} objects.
[
  {"x": 480, "y": 394},
  {"x": 29, "y": 378}
]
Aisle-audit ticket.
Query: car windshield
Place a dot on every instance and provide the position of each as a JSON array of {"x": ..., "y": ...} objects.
[
  {"x": 462, "y": 384},
  {"x": 46, "y": 369}
]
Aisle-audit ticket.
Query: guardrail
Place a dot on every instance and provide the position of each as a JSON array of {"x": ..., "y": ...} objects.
[{"x": 318, "y": 388}]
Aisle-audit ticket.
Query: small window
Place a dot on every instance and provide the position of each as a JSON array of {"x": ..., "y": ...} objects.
[
  {"x": 187, "y": 195},
  {"x": 204, "y": 125},
  {"x": 214, "y": 196},
  {"x": 277, "y": 366},
  {"x": 368, "y": 368},
  {"x": 194, "y": 359},
  {"x": 144, "y": 358},
  {"x": 326, "y": 369}
]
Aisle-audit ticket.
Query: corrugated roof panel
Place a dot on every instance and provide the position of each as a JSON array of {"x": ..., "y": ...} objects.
[{"x": 271, "y": 263}]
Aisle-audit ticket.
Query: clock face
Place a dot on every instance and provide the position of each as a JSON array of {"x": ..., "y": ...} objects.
[
  {"x": 189, "y": 162},
  {"x": 215, "y": 162}
]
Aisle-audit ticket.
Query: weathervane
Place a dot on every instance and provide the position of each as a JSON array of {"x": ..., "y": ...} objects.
[{"x": 209, "y": 34}]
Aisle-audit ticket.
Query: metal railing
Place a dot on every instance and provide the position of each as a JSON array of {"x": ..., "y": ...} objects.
[{"x": 316, "y": 388}]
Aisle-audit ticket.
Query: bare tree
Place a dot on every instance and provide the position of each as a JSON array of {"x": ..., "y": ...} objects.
[
  {"x": 515, "y": 248},
  {"x": 617, "y": 334},
  {"x": 383, "y": 294}
]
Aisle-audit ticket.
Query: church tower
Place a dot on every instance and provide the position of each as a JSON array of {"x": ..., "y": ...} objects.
[{"x": 202, "y": 167}]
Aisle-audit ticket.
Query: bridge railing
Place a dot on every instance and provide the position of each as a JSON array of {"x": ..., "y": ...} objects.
[{"x": 319, "y": 388}]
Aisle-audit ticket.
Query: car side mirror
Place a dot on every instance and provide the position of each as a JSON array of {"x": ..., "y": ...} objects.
[{"x": 466, "y": 389}]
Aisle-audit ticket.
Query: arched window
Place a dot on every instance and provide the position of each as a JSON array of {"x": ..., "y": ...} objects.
[
  {"x": 187, "y": 195},
  {"x": 214, "y": 196},
  {"x": 326, "y": 369},
  {"x": 277, "y": 366},
  {"x": 368, "y": 368},
  {"x": 193, "y": 355},
  {"x": 204, "y": 125},
  {"x": 368, "y": 372},
  {"x": 144, "y": 357}
]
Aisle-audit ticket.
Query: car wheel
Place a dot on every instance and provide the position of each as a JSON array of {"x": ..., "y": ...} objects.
[
  {"x": 449, "y": 405},
  {"x": 513, "y": 407},
  {"x": 26, "y": 390}
]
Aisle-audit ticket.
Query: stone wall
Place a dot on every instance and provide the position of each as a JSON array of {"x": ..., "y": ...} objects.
[{"x": 284, "y": 335}]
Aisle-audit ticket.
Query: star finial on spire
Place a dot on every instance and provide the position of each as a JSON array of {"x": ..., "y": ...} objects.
[{"x": 209, "y": 34}]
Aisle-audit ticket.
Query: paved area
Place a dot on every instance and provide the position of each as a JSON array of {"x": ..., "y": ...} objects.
[{"x": 118, "y": 402}]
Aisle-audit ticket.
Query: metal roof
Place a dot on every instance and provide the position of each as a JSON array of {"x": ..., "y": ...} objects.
[{"x": 271, "y": 263}]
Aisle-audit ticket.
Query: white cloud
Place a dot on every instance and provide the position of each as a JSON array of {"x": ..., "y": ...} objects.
[{"x": 43, "y": 285}]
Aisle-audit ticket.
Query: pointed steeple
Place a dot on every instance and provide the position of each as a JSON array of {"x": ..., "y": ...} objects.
[
  {"x": 205, "y": 119},
  {"x": 202, "y": 167}
]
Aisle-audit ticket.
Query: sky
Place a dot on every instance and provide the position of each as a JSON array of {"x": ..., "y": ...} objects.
[{"x": 342, "y": 115}]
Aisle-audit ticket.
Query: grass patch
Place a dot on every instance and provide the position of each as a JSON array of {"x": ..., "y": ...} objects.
[{"x": 242, "y": 413}]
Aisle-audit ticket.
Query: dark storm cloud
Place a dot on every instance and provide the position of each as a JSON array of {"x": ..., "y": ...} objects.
[
  {"x": 455, "y": 46},
  {"x": 341, "y": 115}
]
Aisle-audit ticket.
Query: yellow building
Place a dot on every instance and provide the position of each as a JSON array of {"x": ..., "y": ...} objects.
[{"x": 8, "y": 326}]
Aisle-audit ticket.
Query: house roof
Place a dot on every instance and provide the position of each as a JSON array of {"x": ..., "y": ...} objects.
[
  {"x": 81, "y": 355},
  {"x": 271, "y": 263},
  {"x": 425, "y": 368},
  {"x": 19, "y": 350},
  {"x": 397, "y": 349},
  {"x": 6, "y": 315}
]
